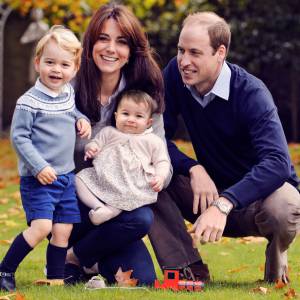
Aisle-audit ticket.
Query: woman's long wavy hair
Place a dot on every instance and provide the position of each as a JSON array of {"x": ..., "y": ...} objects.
[{"x": 141, "y": 72}]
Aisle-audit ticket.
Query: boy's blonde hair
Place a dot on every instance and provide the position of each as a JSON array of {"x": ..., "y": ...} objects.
[
  {"x": 138, "y": 97},
  {"x": 64, "y": 38}
]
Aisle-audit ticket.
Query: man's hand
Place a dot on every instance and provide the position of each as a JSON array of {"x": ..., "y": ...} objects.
[
  {"x": 204, "y": 189},
  {"x": 91, "y": 151},
  {"x": 157, "y": 183},
  {"x": 210, "y": 225},
  {"x": 84, "y": 128},
  {"x": 46, "y": 176}
]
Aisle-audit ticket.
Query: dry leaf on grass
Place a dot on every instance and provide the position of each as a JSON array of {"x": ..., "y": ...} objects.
[
  {"x": 262, "y": 268},
  {"x": 3, "y": 200},
  {"x": 9, "y": 223},
  {"x": 260, "y": 290},
  {"x": 6, "y": 242},
  {"x": 241, "y": 268},
  {"x": 14, "y": 211},
  {"x": 279, "y": 284},
  {"x": 14, "y": 296},
  {"x": 19, "y": 297},
  {"x": 50, "y": 282},
  {"x": 251, "y": 240},
  {"x": 290, "y": 294},
  {"x": 123, "y": 278},
  {"x": 2, "y": 185},
  {"x": 3, "y": 216}
]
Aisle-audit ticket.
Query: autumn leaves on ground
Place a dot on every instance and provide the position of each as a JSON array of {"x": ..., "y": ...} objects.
[{"x": 236, "y": 265}]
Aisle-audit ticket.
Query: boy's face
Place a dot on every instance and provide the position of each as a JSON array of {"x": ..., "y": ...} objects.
[
  {"x": 56, "y": 66},
  {"x": 132, "y": 117}
]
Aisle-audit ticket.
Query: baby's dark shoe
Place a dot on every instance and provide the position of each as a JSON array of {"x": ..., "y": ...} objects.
[{"x": 7, "y": 281}]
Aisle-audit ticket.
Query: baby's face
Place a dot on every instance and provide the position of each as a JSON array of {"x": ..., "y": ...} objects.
[
  {"x": 56, "y": 66},
  {"x": 132, "y": 117}
]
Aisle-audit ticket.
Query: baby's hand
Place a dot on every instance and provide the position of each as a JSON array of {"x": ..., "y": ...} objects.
[
  {"x": 84, "y": 128},
  {"x": 91, "y": 152},
  {"x": 46, "y": 176},
  {"x": 157, "y": 183}
]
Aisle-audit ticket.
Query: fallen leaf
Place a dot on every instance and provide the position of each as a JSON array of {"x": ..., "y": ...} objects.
[
  {"x": 2, "y": 185},
  {"x": 10, "y": 223},
  {"x": 14, "y": 211},
  {"x": 262, "y": 268},
  {"x": 50, "y": 282},
  {"x": 290, "y": 294},
  {"x": 224, "y": 253},
  {"x": 123, "y": 278},
  {"x": 8, "y": 296},
  {"x": 3, "y": 216},
  {"x": 19, "y": 296},
  {"x": 279, "y": 284},
  {"x": 250, "y": 240},
  {"x": 224, "y": 240},
  {"x": 3, "y": 201},
  {"x": 238, "y": 269},
  {"x": 260, "y": 290},
  {"x": 6, "y": 242},
  {"x": 17, "y": 197}
]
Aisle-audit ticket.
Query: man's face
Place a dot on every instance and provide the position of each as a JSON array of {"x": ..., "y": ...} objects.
[{"x": 198, "y": 63}]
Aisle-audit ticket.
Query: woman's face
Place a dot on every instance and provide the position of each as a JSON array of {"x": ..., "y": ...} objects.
[{"x": 111, "y": 51}]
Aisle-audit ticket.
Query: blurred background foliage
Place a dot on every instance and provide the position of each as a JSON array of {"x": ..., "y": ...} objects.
[{"x": 266, "y": 37}]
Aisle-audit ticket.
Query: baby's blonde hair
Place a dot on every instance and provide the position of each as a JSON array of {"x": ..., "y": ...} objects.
[{"x": 64, "y": 38}]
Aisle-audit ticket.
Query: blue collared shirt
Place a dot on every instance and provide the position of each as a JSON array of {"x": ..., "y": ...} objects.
[{"x": 220, "y": 88}]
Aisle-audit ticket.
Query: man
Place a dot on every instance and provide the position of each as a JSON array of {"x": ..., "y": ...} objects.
[{"x": 243, "y": 182}]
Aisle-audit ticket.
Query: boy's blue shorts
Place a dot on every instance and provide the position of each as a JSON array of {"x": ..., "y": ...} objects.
[{"x": 56, "y": 201}]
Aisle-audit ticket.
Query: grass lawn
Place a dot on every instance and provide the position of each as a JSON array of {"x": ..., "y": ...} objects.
[{"x": 236, "y": 265}]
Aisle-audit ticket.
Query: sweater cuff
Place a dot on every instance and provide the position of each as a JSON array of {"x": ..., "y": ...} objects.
[{"x": 230, "y": 197}]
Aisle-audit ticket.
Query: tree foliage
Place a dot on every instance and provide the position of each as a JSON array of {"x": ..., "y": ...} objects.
[{"x": 265, "y": 36}]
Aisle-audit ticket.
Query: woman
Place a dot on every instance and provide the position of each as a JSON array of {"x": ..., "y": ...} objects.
[{"x": 116, "y": 56}]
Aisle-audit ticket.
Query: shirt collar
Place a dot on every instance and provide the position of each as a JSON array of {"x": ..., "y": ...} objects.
[
  {"x": 42, "y": 88},
  {"x": 120, "y": 87},
  {"x": 221, "y": 87}
]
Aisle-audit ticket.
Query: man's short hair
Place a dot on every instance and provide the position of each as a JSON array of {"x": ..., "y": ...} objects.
[{"x": 218, "y": 29}]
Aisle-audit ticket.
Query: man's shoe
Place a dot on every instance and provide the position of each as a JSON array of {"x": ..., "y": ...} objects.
[
  {"x": 73, "y": 274},
  {"x": 196, "y": 272},
  {"x": 7, "y": 281}
]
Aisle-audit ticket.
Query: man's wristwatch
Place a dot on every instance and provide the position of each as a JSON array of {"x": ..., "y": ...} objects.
[{"x": 223, "y": 206}]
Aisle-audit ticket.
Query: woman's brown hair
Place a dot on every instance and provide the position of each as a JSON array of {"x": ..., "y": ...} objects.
[{"x": 141, "y": 72}]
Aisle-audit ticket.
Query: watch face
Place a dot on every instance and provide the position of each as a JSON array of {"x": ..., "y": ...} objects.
[{"x": 224, "y": 207}]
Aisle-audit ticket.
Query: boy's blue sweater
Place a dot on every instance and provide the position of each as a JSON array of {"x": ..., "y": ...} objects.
[
  {"x": 43, "y": 130},
  {"x": 240, "y": 142}
]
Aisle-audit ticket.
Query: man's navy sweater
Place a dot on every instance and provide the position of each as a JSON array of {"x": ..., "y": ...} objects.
[{"x": 240, "y": 142}]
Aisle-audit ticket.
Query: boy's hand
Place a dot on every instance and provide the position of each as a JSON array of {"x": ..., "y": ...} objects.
[
  {"x": 46, "y": 176},
  {"x": 84, "y": 128},
  {"x": 91, "y": 152},
  {"x": 157, "y": 183}
]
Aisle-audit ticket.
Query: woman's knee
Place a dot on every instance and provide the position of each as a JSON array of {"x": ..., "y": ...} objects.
[{"x": 141, "y": 218}]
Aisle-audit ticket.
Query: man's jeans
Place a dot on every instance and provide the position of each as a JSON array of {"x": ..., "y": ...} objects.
[
  {"x": 277, "y": 218},
  {"x": 116, "y": 243}
]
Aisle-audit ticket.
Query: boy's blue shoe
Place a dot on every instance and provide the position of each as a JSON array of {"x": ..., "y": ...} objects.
[{"x": 7, "y": 281}]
